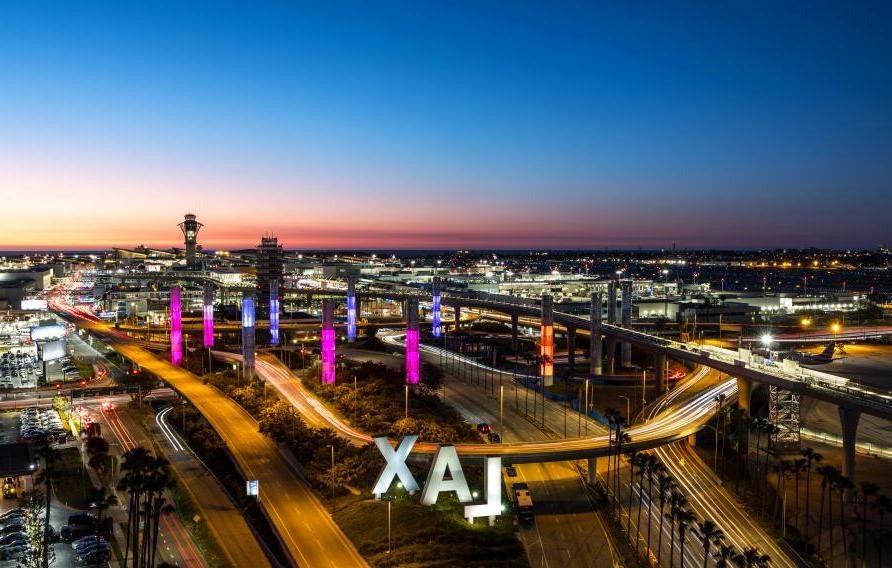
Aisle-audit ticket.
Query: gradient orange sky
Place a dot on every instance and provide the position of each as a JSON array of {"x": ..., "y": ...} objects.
[{"x": 458, "y": 126}]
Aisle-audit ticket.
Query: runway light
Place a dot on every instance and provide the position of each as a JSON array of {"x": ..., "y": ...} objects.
[{"x": 767, "y": 339}]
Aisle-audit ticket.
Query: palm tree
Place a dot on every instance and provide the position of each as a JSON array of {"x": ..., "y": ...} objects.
[
  {"x": 868, "y": 490},
  {"x": 752, "y": 558},
  {"x": 47, "y": 476},
  {"x": 797, "y": 467},
  {"x": 610, "y": 414},
  {"x": 133, "y": 468},
  {"x": 724, "y": 555},
  {"x": 828, "y": 478},
  {"x": 643, "y": 466},
  {"x": 740, "y": 420},
  {"x": 812, "y": 457},
  {"x": 684, "y": 519},
  {"x": 634, "y": 461},
  {"x": 653, "y": 466},
  {"x": 720, "y": 399},
  {"x": 677, "y": 503},
  {"x": 783, "y": 469},
  {"x": 103, "y": 499},
  {"x": 770, "y": 430},
  {"x": 709, "y": 533},
  {"x": 759, "y": 424},
  {"x": 621, "y": 440},
  {"x": 665, "y": 488},
  {"x": 882, "y": 504},
  {"x": 843, "y": 485}
]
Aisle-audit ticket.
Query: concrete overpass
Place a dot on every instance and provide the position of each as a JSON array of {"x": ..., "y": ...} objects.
[{"x": 850, "y": 399}]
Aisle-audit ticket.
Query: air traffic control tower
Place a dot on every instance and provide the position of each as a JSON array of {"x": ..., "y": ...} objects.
[{"x": 190, "y": 227}]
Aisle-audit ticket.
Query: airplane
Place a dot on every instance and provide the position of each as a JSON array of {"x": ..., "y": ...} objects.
[{"x": 825, "y": 356}]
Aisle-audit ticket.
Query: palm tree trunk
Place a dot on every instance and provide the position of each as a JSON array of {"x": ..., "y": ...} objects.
[
  {"x": 155, "y": 532},
  {"x": 706, "y": 545},
  {"x": 129, "y": 529},
  {"x": 46, "y": 521},
  {"x": 638, "y": 521},
  {"x": 681, "y": 537},
  {"x": 650, "y": 501},
  {"x": 821, "y": 520},
  {"x": 758, "y": 447},
  {"x": 842, "y": 521},
  {"x": 830, "y": 523},
  {"x": 864, "y": 531},
  {"x": 631, "y": 491},
  {"x": 807, "y": 497},
  {"x": 672, "y": 544},
  {"x": 660, "y": 534},
  {"x": 796, "y": 506},
  {"x": 609, "y": 462}
]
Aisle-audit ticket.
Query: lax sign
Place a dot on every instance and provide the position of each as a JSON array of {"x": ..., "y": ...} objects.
[{"x": 445, "y": 459}]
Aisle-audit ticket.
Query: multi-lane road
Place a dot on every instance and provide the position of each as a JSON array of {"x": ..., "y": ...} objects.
[{"x": 307, "y": 532}]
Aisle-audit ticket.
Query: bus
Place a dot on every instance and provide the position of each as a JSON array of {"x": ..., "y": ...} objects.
[{"x": 523, "y": 503}]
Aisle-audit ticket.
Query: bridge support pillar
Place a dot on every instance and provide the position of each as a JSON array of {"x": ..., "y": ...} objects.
[
  {"x": 660, "y": 372},
  {"x": 611, "y": 356},
  {"x": 514, "y": 319},
  {"x": 626, "y": 312},
  {"x": 848, "y": 420},
  {"x": 611, "y": 302},
  {"x": 595, "y": 335},
  {"x": 592, "y": 473},
  {"x": 571, "y": 350},
  {"x": 692, "y": 440},
  {"x": 744, "y": 393}
]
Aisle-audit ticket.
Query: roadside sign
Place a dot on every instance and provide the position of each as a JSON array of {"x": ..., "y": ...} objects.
[{"x": 253, "y": 487}]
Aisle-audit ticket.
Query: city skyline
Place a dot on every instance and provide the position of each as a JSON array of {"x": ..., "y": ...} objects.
[{"x": 459, "y": 126}]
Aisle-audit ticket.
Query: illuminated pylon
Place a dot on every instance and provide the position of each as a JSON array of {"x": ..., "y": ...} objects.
[
  {"x": 435, "y": 290},
  {"x": 351, "y": 309},
  {"x": 274, "y": 311},
  {"x": 412, "y": 356},
  {"x": 328, "y": 342},
  {"x": 546, "y": 342},
  {"x": 176, "y": 326},
  {"x": 248, "y": 324},
  {"x": 207, "y": 309}
]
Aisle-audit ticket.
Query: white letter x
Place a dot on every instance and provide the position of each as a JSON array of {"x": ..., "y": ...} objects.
[{"x": 396, "y": 465}]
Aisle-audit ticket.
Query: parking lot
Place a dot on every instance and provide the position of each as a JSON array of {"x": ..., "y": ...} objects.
[{"x": 19, "y": 369}]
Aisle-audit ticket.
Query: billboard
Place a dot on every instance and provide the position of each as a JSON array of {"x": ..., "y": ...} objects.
[
  {"x": 52, "y": 350},
  {"x": 33, "y": 304},
  {"x": 47, "y": 332}
]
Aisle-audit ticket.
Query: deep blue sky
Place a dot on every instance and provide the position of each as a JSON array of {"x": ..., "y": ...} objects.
[{"x": 425, "y": 124}]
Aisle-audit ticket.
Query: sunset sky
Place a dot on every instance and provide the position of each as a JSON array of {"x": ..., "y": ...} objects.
[{"x": 446, "y": 124}]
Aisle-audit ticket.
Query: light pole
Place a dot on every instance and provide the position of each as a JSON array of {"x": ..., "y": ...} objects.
[
  {"x": 628, "y": 408},
  {"x": 643, "y": 388},
  {"x": 388, "y": 526},
  {"x": 501, "y": 407},
  {"x": 586, "y": 407},
  {"x": 407, "y": 401},
  {"x": 766, "y": 340},
  {"x": 332, "y": 479},
  {"x": 354, "y": 400}
]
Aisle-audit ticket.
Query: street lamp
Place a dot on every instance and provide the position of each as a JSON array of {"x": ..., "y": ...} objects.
[
  {"x": 767, "y": 339},
  {"x": 332, "y": 478},
  {"x": 628, "y": 407}
]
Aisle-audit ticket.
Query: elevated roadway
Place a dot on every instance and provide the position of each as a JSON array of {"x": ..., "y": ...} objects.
[{"x": 305, "y": 528}]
